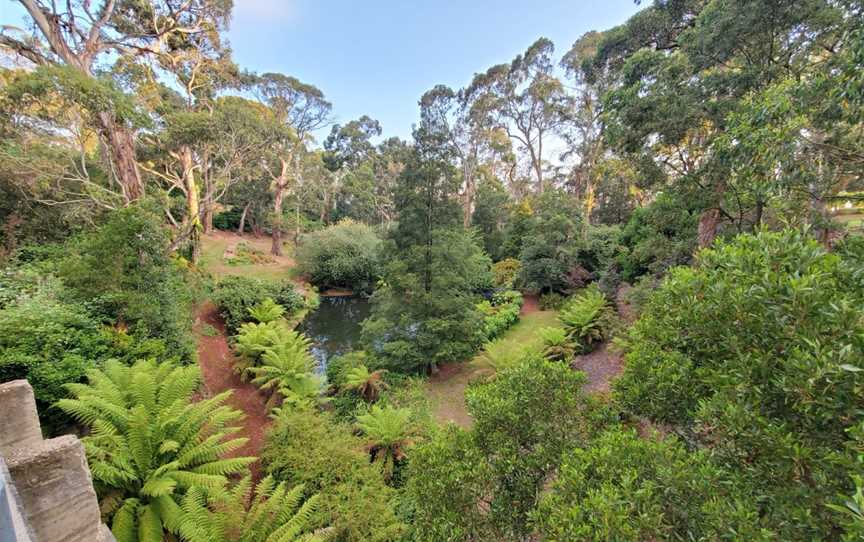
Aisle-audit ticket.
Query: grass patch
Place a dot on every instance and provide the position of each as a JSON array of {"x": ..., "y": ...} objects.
[
  {"x": 267, "y": 267},
  {"x": 446, "y": 391}
]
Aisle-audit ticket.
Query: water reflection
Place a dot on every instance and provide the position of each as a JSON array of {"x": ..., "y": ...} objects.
[{"x": 334, "y": 328}]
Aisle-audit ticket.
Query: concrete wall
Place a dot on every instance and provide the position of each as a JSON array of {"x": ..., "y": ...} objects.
[{"x": 51, "y": 478}]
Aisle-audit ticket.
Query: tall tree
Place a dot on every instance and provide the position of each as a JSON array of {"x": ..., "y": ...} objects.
[
  {"x": 525, "y": 99},
  {"x": 80, "y": 35},
  {"x": 301, "y": 108}
]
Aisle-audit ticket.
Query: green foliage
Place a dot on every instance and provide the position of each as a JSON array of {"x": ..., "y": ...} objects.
[
  {"x": 626, "y": 488},
  {"x": 149, "y": 443},
  {"x": 388, "y": 431},
  {"x": 757, "y": 350},
  {"x": 123, "y": 273},
  {"x": 426, "y": 315},
  {"x": 659, "y": 236},
  {"x": 267, "y": 512},
  {"x": 287, "y": 367},
  {"x": 267, "y": 311},
  {"x": 310, "y": 448},
  {"x": 236, "y": 296},
  {"x": 501, "y": 314},
  {"x": 552, "y": 301},
  {"x": 346, "y": 255},
  {"x": 505, "y": 272},
  {"x": 587, "y": 319},
  {"x": 483, "y": 484},
  {"x": 368, "y": 385},
  {"x": 557, "y": 345}
]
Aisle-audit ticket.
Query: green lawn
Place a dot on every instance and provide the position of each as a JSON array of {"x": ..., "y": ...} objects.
[{"x": 447, "y": 390}]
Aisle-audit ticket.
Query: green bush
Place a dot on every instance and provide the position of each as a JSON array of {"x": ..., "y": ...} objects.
[
  {"x": 626, "y": 488},
  {"x": 501, "y": 314},
  {"x": 587, "y": 319},
  {"x": 505, "y": 272},
  {"x": 758, "y": 351},
  {"x": 552, "y": 301},
  {"x": 310, "y": 448},
  {"x": 346, "y": 255},
  {"x": 236, "y": 296},
  {"x": 124, "y": 275}
]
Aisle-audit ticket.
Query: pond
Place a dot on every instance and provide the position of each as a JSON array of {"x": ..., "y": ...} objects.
[{"x": 334, "y": 327}]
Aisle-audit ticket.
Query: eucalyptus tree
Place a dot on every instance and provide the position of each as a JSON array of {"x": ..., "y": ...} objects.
[
  {"x": 348, "y": 152},
  {"x": 300, "y": 109},
  {"x": 526, "y": 100},
  {"x": 86, "y": 37}
]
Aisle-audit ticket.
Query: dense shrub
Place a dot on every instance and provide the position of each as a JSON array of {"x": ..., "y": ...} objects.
[
  {"x": 659, "y": 236},
  {"x": 505, "y": 272},
  {"x": 124, "y": 275},
  {"x": 626, "y": 488},
  {"x": 312, "y": 449},
  {"x": 757, "y": 350},
  {"x": 236, "y": 296},
  {"x": 500, "y": 314},
  {"x": 483, "y": 484},
  {"x": 552, "y": 301},
  {"x": 346, "y": 255}
]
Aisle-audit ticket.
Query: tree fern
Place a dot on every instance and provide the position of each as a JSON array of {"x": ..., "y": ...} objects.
[
  {"x": 388, "y": 430},
  {"x": 367, "y": 384},
  {"x": 287, "y": 367},
  {"x": 149, "y": 443},
  {"x": 587, "y": 319},
  {"x": 269, "y": 512},
  {"x": 267, "y": 311}
]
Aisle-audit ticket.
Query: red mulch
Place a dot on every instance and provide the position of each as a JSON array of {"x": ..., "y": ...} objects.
[
  {"x": 217, "y": 370},
  {"x": 530, "y": 304}
]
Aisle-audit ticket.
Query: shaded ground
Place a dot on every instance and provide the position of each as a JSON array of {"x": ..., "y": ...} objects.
[
  {"x": 446, "y": 389},
  {"x": 605, "y": 363},
  {"x": 217, "y": 370},
  {"x": 215, "y": 245}
]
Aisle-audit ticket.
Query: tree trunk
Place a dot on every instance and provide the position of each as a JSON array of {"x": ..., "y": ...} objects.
[
  {"x": 708, "y": 223},
  {"x": 241, "y": 229},
  {"x": 192, "y": 204},
  {"x": 121, "y": 146},
  {"x": 276, "y": 247},
  {"x": 207, "y": 211},
  {"x": 468, "y": 197}
]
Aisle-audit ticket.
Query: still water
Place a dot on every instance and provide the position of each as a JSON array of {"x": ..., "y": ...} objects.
[{"x": 334, "y": 327}]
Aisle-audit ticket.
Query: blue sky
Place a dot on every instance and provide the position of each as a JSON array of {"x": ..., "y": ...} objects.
[{"x": 377, "y": 57}]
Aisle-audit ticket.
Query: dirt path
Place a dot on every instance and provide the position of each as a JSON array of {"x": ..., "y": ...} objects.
[
  {"x": 530, "y": 304},
  {"x": 217, "y": 371}
]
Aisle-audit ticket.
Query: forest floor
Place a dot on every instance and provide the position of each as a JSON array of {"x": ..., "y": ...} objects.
[
  {"x": 217, "y": 371},
  {"x": 217, "y": 245}
]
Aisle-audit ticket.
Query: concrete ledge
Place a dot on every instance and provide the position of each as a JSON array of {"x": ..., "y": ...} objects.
[
  {"x": 56, "y": 491},
  {"x": 19, "y": 421}
]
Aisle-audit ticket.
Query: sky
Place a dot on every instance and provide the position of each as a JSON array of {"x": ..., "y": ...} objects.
[{"x": 377, "y": 57}]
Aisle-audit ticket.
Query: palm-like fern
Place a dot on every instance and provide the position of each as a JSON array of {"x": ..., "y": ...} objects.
[
  {"x": 255, "y": 339},
  {"x": 288, "y": 368},
  {"x": 149, "y": 443},
  {"x": 389, "y": 432},
  {"x": 267, "y": 311},
  {"x": 367, "y": 384},
  {"x": 269, "y": 512},
  {"x": 556, "y": 344},
  {"x": 587, "y": 319}
]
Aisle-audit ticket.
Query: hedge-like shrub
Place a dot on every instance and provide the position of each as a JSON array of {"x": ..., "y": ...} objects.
[
  {"x": 347, "y": 255},
  {"x": 501, "y": 314},
  {"x": 235, "y": 296}
]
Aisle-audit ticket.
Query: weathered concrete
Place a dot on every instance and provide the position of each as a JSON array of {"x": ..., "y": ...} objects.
[
  {"x": 13, "y": 527},
  {"x": 56, "y": 491},
  {"x": 19, "y": 421}
]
